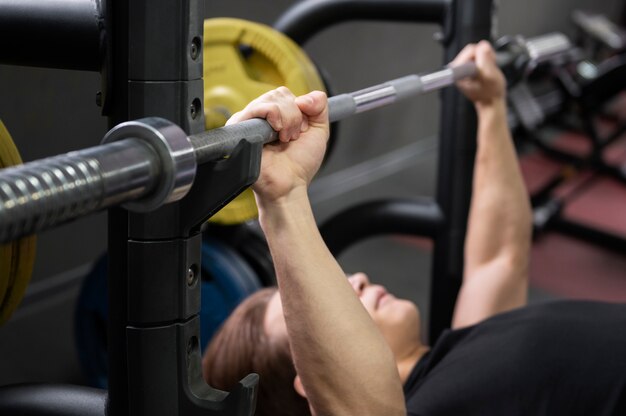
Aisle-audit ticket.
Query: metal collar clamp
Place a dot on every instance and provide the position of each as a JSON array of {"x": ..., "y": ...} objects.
[{"x": 175, "y": 152}]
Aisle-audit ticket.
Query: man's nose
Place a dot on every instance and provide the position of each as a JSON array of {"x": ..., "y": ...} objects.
[{"x": 359, "y": 281}]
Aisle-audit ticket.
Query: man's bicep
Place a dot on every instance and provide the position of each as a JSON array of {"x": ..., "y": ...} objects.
[{"x": 493, "y": 288}]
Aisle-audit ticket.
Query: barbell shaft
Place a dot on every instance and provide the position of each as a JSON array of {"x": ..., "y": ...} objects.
[
  {"x": 219, "y": 143},
  {"x": 44, "y": 193},
  {"x": 344, "y": 105}
]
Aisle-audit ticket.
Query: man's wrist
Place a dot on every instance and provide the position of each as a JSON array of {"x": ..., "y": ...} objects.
[
  {"x": 268, "y": 200},
  {"x": 291, "y": 205},
  {"x": 495, "y": 107}
]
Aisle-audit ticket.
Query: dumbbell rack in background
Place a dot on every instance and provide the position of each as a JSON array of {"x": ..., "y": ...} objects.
[{"x": 154, "y": 69}]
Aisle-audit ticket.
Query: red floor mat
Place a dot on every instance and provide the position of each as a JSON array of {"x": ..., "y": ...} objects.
[
  {"x": 538, "y": 171},
  {"x": 575, "y": 269},
  {"x": 601, "y": 205},
  {"x": 569, "y": 267},
  {"x": 573, "y": 143},
  {"x": 615, "y": 154}
]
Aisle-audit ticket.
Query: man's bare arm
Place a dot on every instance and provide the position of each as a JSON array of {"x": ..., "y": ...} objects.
[
  {"x": 499, "y": 227},
  {"x": 343, "y": 361}
]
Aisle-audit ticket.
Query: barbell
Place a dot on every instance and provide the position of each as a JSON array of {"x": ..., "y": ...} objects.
[{"x": 146, "y": 163}]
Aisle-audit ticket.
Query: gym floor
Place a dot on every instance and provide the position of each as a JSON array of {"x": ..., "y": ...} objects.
[{"x": 37, "y": 344}]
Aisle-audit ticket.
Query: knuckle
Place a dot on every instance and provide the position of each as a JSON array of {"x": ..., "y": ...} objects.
[
  {"x": 284, "y": 91},
  {"x": 273, "y": 108},
  {"x": 322, "y": 94}
]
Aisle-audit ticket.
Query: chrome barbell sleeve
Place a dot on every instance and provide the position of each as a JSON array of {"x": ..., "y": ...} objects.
[
  {"x": 46, "y": 192},
  {"x": 143, "y": 163}
]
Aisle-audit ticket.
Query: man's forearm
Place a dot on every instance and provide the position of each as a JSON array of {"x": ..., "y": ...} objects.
[
  {"x": 497, "y": 243},
  {"x": 343, "y": 361},
  {"x": 500, "y": 218}
]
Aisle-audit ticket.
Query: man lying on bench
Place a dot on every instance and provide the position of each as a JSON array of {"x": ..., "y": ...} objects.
[{"x": 327, "y": 345}]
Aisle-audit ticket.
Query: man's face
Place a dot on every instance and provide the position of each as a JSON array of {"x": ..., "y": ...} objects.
[{"x": 397, "y": 319}]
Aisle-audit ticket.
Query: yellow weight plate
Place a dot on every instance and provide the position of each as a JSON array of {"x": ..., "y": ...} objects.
[
  {"x": 23, "y": 260},
  {"x": 18, "y": 257},
  {"x": 243, "y": 60}
]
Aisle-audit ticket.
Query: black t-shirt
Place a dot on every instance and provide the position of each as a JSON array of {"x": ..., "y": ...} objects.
[{"x": 560, "y": 358}]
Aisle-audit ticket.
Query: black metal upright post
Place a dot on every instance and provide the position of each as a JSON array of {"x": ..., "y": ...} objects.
[
  {"x": 154, "y": 272},
  {"x": 150, "y": 55},
  {"x": 471, "y": 21},
  {"x": 155, "y": 69}
]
